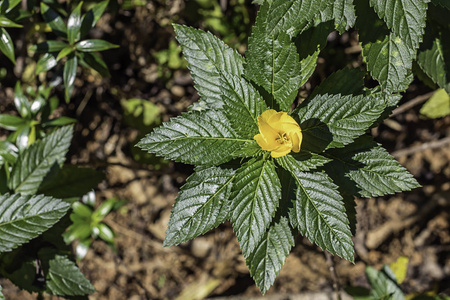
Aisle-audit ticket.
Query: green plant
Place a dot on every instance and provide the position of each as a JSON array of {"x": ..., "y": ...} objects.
[
  {"x": 269, "y": 197},
  {"x": 385, "y": 284},
  {"x": 87, "y": 223},
  {"x": 36, "y": 192},
  {"x": 9, "y": 15},
  {"x": 73, "y": 47},
  {"x": 34, "y": 116}
]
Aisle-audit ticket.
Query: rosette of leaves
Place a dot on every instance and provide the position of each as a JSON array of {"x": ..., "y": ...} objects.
[
  {"x": 72, "y": 47},
  {"x": 269, "y": 201}
]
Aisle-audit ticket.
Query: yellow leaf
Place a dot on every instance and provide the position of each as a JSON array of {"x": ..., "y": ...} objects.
[
  {"x": 399, "y": 267},
  {"x": 437, "y": 106}
]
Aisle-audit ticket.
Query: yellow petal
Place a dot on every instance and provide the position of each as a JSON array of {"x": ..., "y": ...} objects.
[
  {"x": 265, "y": 116},
  {"x": 296, "y": 140},
  {"x": 259, "y": 138},
  {"x": 280, "y": 153}
]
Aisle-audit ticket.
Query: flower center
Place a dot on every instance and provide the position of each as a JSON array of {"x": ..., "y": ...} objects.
[{"x": 282, "y": 138}]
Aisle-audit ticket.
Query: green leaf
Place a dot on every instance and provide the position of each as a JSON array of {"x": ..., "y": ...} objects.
[
  {"x": 53, "y": 20},
  {"x": 61, "y": 121},
  {"x": 342, "y": 12},
  {"x": 25, "y": 217},
  {"x": 8, "y": 5},
  {"x": 406, "y": 18},
  {"x": 437, "y": 106},
  {"x": 64, "y": 52},
  {"x": 35, "y": 162},
  {"x": 302, "y": 161},
  {"x": 345, "y": 117},
  {"x": 105, "y": 233},
  {"x": 70, "y": 182},
  {"x": 388, "y": 57},
  {"x": 254, "y": 200},
  {"x": 201, "y": 205},
  {"x": 266, "y": 260},
  {"x": 383, "y": 287},
  {"x": 431, "y": 60},
  {"x": 92, "y": 60},
  {"x": 69, "y": 74},
  {"x": 48, "y": 46},
  {"x": 208, "y": 58},
  {"x": 1, "y": 294},
  {"x": 74, "y": 24},
  {"x": 94, "y": 45},
  {"x": 371, "y": 168},
  {"x": 6, "y": 45},
  {"x": 242, "y": 105},
  {"x": 103, "y": 210},
  {"x": 198, "y": 138},
  {"x": 273, "y": 63},
  {"x": 344, "y": 82},
  {"x": 11, "y": 122},
  {"x": 63, "y": 277},
  {"x": 8, "y": 152},
  {"x": 290, "y": 17},
  {"x": 5, "y": 22},
  {"x": 46, "y": 63},
  {"x": 319, "y": 213},
  {"x": 92, "y": 16},
  {"x": 21, "y": 102}
]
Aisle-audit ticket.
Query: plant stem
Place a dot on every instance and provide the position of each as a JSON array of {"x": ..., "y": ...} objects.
[{"x": 332, "y": 268}]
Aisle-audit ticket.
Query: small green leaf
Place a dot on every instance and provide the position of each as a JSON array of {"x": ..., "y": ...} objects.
[
  {"x": 53, "y": 20},
  {"x": 48, "y": 46},
  {"x": 64, "y": 52},
  {"x": 105, "y": 233},
  {"x": 61, "y": 121},
  {"x": 8, "y": 5},
  {"x": 92, "y": 16},
  {"x": 11, "y": 122},
  {"x": 74, "y": 24},
  {"x": 8, "y": 152},
  {"x": 103, "y": 210},
  {"x": 5, "y": 22},
  {"x": 375, "y": 172},
  {"x": 94, "y": 45},
  {"x": 266, "y": 260},
  {"x": 92, "y": 60},
  {"x": 6, "y": 45},
  {"x": 201, "y": 205},
  {"x": 255, "y": 198},
  {"x": 35, "y": 162},
  {"x": 383, "y": 287},
  {"x": 63, "y": 277},
  {"x": 46, "y": 63},
  {"x": 208, "y": 58},
  {"x": 437, "y": 106},
  {"x": 1, "y": 294},
  {"x": 82, "y": 210},
  {"x": 25, "y": 217},
  {"x": 21, "y": 102},
  {"x": 69, "y": 74},
  {"x": 345, "y": 117},
  {"x": 199, "y": 138}
]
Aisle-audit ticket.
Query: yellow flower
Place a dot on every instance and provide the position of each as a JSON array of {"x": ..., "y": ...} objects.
[{"x": 279, "y": 133}]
